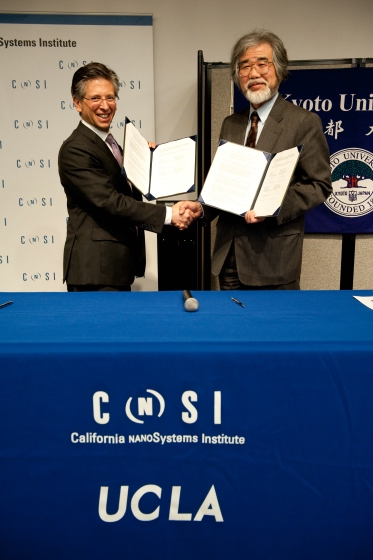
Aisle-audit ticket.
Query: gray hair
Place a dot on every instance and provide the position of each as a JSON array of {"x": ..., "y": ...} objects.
[
  {"x": 253, "y": 39},
  {"x": 92, "y": 71}
]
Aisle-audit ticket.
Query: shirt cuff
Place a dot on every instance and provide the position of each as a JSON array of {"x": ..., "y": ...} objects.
[{"x": 168, "y": 218}]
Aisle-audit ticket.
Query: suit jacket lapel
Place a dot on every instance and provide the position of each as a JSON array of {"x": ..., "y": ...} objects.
[
  {"x": 273, "y": 126},
  {"x": 99, "y": 143},
  {"x": 237, "y": 133},
  {"x": 104, "y": 148}
]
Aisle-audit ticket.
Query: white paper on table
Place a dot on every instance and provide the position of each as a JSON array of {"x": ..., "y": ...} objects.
[{"x": 365, "y": 300}]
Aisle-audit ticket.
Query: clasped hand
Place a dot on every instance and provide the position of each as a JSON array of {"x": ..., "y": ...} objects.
[{"x": 185, "y": 212}]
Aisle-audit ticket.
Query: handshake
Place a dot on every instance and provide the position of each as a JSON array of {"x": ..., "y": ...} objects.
[{"x": 185, "y": 212}]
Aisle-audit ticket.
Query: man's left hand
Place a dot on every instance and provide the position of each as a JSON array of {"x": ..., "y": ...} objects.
[{"x": 251, "y": 218}]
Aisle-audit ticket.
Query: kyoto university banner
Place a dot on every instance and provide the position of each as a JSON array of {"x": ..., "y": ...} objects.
[{"x": 343, "y": 99}]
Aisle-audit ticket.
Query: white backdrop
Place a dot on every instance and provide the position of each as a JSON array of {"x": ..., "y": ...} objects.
[{"x": 38, "y": 56}]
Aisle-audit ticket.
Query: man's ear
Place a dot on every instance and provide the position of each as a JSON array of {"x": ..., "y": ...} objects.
[{"x": 77, "y": 104}]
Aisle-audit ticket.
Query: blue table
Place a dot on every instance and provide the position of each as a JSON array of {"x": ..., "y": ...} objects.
[{"x": 133, "y": 429}]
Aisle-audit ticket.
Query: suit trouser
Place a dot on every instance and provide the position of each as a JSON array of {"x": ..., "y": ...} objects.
[
  {"x": 96, "y": 288},
  {"x": 229, "y": 280}
]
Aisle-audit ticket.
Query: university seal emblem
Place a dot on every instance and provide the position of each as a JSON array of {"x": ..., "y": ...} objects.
[{"x": 352, "y": 177}]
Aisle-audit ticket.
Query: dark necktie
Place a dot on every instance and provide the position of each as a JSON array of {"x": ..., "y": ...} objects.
[
  {"x": 251, "y": 137},
  {"x": 116, "y": 151}
]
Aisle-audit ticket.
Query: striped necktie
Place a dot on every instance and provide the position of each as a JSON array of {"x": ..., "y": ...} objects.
[{"x": 116, "y": 151}]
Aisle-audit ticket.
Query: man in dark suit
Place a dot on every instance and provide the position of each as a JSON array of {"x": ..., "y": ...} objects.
[
  {"x": 266, "y": 253},
  {"x": 105, "y": 246}
]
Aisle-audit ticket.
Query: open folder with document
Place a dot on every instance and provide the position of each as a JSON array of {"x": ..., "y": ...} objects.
[
  {"x": 242, "y": 179},
  {"x": 166, "y": 170}
]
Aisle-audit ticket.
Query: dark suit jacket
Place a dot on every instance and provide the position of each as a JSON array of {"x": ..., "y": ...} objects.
[
  {"x": 105, "y": 239},
  {"x": 270, "y": 252}
]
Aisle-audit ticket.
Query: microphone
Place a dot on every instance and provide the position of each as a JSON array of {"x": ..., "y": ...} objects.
[{"x": 190, "y": 303}]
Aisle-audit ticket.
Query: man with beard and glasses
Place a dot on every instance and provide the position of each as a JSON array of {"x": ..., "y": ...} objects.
[{"x": 253, "y": 252}]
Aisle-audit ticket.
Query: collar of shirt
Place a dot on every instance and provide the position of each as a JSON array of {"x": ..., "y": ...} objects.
[
  {"x": 263, "y": 113},
  {"x": 101, "y": 133}
]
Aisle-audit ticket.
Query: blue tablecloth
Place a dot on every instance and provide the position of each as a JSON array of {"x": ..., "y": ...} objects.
[{"x": 134, "y": 429}]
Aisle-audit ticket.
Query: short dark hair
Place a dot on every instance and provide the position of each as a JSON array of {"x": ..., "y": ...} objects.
[
  {"x": 92, "y": 71},
  {"x": 255, "y": 38}
]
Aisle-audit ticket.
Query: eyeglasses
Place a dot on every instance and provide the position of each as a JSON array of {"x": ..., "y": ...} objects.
[
  {"x": 261, "y": 66},
  {"x": 96, "y": 100}
]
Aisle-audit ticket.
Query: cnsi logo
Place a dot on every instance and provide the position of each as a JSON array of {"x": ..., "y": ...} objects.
[
  {"x": 352, "y": 177},
  {"x": 145, "y": 406},
  {"x": 155, "y": 404},
  {"x": 210, "y": 505}
]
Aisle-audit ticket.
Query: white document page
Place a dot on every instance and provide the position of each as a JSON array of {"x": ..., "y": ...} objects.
[
  {"x": 276, "y": 182},
  {"x": 233, "y": 178},
  {"x": 173, "y": 168},
  {"x": 136, "y": 158}
]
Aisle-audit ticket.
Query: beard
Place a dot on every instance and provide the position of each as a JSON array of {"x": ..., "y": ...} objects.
[{"x": 259, "y": 97}]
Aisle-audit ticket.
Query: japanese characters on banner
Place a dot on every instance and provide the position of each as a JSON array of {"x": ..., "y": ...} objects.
[
  {"x": 343, "y": 99},
  {"x": 39, "y": 55}
]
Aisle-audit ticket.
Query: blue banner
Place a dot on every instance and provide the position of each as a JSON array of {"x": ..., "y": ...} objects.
[
  {"x": 343, "y": 99},
  {"x": 134, "y": 430}
]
